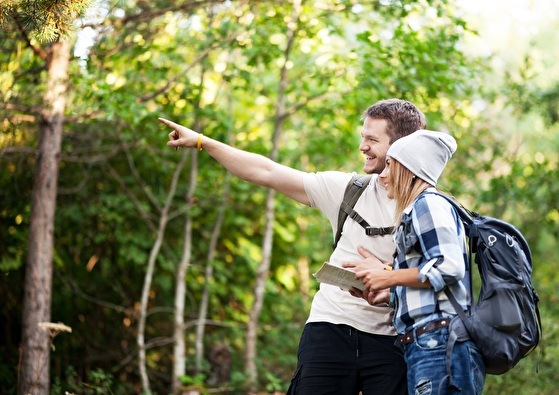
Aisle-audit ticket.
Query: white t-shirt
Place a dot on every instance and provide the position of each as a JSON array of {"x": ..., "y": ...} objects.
[{"x": 331, "y": 304}]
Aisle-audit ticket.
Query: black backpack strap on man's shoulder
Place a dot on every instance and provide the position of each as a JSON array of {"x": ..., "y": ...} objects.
[{"x": 353, "y": 191}]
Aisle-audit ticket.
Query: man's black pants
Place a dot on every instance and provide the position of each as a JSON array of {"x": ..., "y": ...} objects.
[{"x": 340, "y": 360}]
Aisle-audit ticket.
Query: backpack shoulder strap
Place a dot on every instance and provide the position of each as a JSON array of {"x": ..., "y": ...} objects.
[
  {"x": 465, "y": 215},
  {"x": 353, "y": 191}
]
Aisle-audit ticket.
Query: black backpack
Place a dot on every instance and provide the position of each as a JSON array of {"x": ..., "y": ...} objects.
[
  {"x": 353, "y": 191},
  {"x": 505, "y": 321}
]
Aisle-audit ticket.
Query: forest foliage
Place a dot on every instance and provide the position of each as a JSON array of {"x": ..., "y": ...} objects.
[{"x": 216, "y": 66}]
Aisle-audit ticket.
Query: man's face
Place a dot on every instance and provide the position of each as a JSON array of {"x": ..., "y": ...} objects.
[{"x": 374, "y": 145}]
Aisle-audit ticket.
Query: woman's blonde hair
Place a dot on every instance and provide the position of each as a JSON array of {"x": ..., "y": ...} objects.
[{"x": 406, "y": 187}]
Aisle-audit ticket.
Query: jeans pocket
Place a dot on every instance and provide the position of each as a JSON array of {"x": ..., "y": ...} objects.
[{"x": 433, "y": 340}]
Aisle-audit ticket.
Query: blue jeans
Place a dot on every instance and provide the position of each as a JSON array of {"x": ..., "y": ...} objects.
[
  {"x": 340, "y": 360},
  {"x": 426, "y": 360}
]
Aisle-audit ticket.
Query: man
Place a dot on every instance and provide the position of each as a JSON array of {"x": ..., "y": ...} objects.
[{"x": 347, "y": 345}]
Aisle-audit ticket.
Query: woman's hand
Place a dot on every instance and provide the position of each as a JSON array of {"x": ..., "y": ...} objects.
[{"x": 369, "y": 262}]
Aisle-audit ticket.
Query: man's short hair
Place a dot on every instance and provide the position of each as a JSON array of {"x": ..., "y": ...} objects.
[{"x": 402, "y": 117}]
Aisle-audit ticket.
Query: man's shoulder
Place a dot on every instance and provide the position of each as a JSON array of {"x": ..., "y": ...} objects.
[
  {"x": 333, "y": 174},
  {"x": 329, "y": 177},
  {"x": 345, "y": 177},
  {"x": 375, "y": 197},
  {"x": 326, "y": 188}
]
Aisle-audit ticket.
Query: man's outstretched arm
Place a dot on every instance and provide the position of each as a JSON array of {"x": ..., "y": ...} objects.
[{"x": 248, "y": 166}]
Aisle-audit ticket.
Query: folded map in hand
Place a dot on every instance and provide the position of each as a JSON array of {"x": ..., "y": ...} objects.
[{"x": 335, "y": 275}]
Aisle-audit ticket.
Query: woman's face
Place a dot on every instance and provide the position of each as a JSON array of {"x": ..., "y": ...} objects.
[{"x": 387, "y": 180}]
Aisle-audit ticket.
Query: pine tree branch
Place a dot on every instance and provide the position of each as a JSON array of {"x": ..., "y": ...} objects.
[{"x": 38, "y": 50}]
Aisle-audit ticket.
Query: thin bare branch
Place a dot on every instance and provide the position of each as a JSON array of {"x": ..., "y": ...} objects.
[
  {"x": 267, "y": 242},
  {"x": 160, "y": 233},
  {"x": 145, "y": 215},
  {"x": 102, "y": 157},
  {"x": 77, "y": 188},
  {"x": 137, "y": 175},
  {"x": 180, "y": 77},
  {"x": 154, "y": 13},
  {"x": 17, "y": 150},
  {"x": 24, "y": 109},
  {"x": 77, "y": 290}
]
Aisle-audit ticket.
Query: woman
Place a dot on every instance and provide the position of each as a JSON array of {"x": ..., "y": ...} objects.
[{"x": 431, "y": 254}]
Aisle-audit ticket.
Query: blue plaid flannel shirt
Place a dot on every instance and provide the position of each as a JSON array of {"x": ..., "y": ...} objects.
[{"x": 432, "y": 238}]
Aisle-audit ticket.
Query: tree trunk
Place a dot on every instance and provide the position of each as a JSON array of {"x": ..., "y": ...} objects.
[
  {"x": 208, "y": 277},
  {"x": 261, "y": 277},
  {"x": 34, "y": 367},
  {"x": 179, "y": 343},
  {"x": 264, "y": 266},
  {"x": 163, "y": 220},
  {"x": 216, "y": 233},
  {"x": 179, "y": 364}
]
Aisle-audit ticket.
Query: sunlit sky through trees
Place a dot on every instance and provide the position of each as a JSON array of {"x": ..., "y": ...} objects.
[
  {"x": 508, "y": 28},
  {"x": 505, "y": 26}
]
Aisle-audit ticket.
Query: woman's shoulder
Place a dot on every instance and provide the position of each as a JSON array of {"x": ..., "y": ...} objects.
[{"x": 432, "y": 199}]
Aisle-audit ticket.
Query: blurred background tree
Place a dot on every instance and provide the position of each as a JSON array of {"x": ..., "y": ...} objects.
[{"x": 136, "y": 221}]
